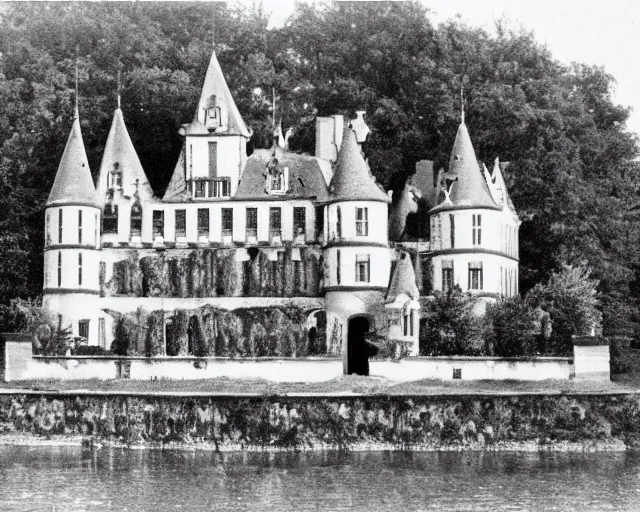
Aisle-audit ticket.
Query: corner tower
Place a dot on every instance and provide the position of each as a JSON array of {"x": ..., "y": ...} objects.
[
  {"x": 356, "y": 254},
  {"x": 71, "y": 250},
  {"x": 474, "y": 228}
]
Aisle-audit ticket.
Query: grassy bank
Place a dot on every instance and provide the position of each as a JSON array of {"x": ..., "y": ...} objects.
[{"x": 342, "y": 385}]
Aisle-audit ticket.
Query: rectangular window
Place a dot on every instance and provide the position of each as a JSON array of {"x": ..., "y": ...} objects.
[
  {"x": 477, "y": 229},
  {"x": 252, "y": 222},
  {"x": 158, "y": 223},
  {"x": 452, "y": 230},
  {"x": 339, "y": 221},
  {"x": 362, "y": 221},
  {"x": 213, "y": 159},
  {"x": 447, "y": 275},
  {"x": 110, "y": 219},
  {"x": 299, "y": 220},
  {"x": 83, "y": 328},
  {"x": 362, "y": 268},
  {"x": 79, "y": 269},
  {"x": 475, "y": 276},
  {"x": 411, "y": 321},
  {"x": 275, "y": 221},
  {"x": 59, "y": 269},
  {"x": 80, "y": 226},
  {"x": 405, "y": 322},
  {"x": 101, "y": 333},
  {"x": 319, "y": 231},
  {"x": 338, "y": 266},
  {"x": 60, "y": 226},
  {"x": 227, "y": 222},
  {"x": 203, "y": 221},
  {"x": 181, "y": 223},
  {"x": 47, "y": 229}
]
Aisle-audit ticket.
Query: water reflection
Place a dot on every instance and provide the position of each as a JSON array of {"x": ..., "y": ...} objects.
[{"x": 68, "y": 479}]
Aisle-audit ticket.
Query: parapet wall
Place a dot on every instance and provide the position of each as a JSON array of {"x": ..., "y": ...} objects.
[{"x": 285, "y": 369}]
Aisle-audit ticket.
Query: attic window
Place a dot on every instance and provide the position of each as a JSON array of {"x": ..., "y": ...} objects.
[
  {"x": 116, "y": 176},
  {"x": 456, "y": 157}
]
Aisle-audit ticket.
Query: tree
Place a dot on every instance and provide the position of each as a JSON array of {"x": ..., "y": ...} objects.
[
  {"x": 571, "y": 299},
  {"x": 451, "y": 328},
  {"x": 512, "y": 327}
]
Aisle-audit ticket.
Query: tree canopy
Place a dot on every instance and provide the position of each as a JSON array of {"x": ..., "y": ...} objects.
[{"x": 573, "y": 173}]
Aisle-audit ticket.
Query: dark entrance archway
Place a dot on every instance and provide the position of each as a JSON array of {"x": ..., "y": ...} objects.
[{"x": 357, "y": 347}]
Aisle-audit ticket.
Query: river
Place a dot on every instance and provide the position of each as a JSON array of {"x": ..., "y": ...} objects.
[{"x": 67, "y": 479}]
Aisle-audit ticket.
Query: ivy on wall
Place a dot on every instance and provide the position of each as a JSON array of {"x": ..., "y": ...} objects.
[
  {"x": 209, "y": 331},
  {"x": 217, "y": 272}
]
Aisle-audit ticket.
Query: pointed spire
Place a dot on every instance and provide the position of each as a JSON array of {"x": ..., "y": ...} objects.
[
  {"x": 118, "y": 89},
  {"x": 216, "y": 98},
  {"x": 462, "y": 102},
  {"x": 403, "y": 280},
  {"x": 468, "y": 186},
  {"x": 352, "y": 178},
  {"x": 119, "y": 151},
  {"x": 77, "y": 110},
  {"x": 498, "y": 180},
  {"x": 73, "y": 183}
]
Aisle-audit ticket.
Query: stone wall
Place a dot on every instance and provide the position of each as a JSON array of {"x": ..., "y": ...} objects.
[{"x": 339, "y": 422}]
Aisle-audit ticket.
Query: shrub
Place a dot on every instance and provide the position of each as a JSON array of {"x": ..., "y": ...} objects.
[
  {"x": 510, "y": 328},
  {"x": 91, "y": 350},
  {"x": 571, "y": 299},
  {"x": 618, "y": 360},
  {"x": 450, "y": 327}
]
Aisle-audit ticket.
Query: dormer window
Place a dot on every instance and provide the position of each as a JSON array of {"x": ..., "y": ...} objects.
[
  {"x": 277, "y": 177},
  {"x": 115, "y": 176},
  {"x": 213, "y": 114}
]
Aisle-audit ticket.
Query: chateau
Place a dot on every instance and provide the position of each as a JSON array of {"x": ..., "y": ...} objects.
[{"x": 276, "y": 253}]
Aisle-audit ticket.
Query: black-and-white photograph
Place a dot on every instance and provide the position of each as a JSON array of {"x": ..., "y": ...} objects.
[{"x": 296, "y": 255}]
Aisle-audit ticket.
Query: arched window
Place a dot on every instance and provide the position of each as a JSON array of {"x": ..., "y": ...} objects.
[{"x": 136, "y": 219}]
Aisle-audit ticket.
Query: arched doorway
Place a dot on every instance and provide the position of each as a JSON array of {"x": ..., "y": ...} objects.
[{"x": 357, "y": 347}]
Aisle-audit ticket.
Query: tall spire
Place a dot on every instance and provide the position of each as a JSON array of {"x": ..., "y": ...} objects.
[
  {"x": 216, "y": 99},
  {"x": 76, "y": 113},
  {"x": 352, "y": 179},
  {"x": 118, "y": 88},
  {"x": 73, "y": 183},
  {"x": 462, "y": 102},
  {"x": 120, "y": 154}
]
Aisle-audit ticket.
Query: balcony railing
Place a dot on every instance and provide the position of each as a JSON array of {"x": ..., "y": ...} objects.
[{"x": 210, "y": 187}]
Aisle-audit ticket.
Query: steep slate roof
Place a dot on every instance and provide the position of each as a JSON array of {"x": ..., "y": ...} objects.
[
  {"x": 403, "y": 280},
  {"x": 498, "y": 177},
  {"x": 470, "y": 190},
  {"x": 215, "y": 84},
  {"x": 73, "y": 183},
  {"x": 177, "y": 188},
  {"x": 119, "y": 148},
  {"x": 305, "y": 176},
  {"x": 352, "y": 179}
]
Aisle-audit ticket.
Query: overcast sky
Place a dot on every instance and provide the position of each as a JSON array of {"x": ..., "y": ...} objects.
[{"x": 600, "y": 32}]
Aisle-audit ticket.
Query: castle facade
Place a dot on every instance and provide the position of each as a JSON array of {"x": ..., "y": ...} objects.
[{"x": 276, "y": 253}]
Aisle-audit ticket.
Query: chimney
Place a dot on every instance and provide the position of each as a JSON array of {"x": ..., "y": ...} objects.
[{"x": 329, "y": 132}]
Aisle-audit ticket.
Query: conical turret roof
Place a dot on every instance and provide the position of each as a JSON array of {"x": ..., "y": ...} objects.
[
  {"x": 352, "y": 179},
  {"x": 73, "y": 183},
  {"x": 403, "y": 280},
  {"x": 216, "y": 85},
  {"x": 468, "y": 186},
  {"x": 119, "y": 151}
]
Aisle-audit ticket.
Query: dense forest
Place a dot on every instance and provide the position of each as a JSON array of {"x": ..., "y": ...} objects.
[{"x": 574, "y": 169}]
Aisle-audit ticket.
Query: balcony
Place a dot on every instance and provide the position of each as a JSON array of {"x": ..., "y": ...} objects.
[
  {"x": 275, "y": 236},
  {"x": 207, "y": 188}
]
